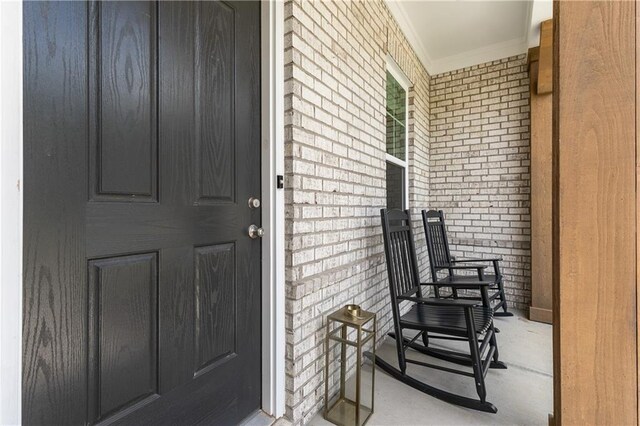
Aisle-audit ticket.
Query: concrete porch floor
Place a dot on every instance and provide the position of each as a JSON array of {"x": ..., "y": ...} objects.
[{"x": 523, "y": 393}]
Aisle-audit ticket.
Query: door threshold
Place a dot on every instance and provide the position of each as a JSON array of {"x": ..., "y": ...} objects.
[{"x": 258, "y": 418}]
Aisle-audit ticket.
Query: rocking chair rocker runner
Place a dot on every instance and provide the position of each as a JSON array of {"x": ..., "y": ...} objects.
[
  {"x": 432, "y": 318},
  {"x": 440, "y": 259}
]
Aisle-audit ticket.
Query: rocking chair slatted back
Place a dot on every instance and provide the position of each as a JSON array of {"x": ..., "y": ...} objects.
[
  {"x": 402, "y": 265},
  {"x": 437, "y": 244}
]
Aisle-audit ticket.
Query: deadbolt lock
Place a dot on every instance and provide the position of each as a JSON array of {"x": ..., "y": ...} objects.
[{"x": 254, "y": 203}]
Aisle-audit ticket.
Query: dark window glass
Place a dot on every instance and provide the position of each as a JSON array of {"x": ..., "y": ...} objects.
[
  {"x": 396, "y": 118},
  {"x": 395, "y": 186}
]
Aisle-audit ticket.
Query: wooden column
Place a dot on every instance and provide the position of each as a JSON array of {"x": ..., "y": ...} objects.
[
  {"x": 541, "y": 195},
  {"x": 544, "y": 83},
  {"x": 637, "y": 111},
  {"x": 595, "y": 223}
]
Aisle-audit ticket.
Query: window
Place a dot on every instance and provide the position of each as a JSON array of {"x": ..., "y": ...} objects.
[{"x": 397, "y": 106}]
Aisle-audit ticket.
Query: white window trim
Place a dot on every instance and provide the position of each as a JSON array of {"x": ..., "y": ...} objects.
[
  {"x": 395, "y": 160},
  {"x": 397, "y": 73}
]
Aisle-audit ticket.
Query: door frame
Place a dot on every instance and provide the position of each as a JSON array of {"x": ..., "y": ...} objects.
[
  {"x": 11, "y": 208},
  {"x": 10, "y": 212},
  {"x": 273, "y": 284}
]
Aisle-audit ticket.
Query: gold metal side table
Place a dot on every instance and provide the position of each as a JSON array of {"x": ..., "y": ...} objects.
[{"x": 352, "y": 328}]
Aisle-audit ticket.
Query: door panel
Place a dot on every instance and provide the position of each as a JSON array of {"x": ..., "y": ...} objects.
[
  {"x": 124, "y": 43},
  {"x": 122, "y": 331},
  {"x": 215, "y": 304},
  {"x": 215, "y": 137},
  {"x": 142, "y": 289}
]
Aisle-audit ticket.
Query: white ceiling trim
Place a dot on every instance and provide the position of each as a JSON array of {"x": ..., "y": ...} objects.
[
  {"x": 479, "y": 56},
  {"x": 541, "y": 10},
  {"x": 527, "y": 28},
  {"x": 465, "y": 59}
]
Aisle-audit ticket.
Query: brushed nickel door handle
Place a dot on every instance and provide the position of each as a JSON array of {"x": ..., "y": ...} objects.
[{"x": 255, "y": 232}]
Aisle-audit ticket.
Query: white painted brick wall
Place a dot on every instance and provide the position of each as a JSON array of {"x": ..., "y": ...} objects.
[{"x": 479, "y": 152}]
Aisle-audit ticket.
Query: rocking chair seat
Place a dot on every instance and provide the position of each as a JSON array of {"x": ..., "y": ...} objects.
[{"x": 446, "y": 319}]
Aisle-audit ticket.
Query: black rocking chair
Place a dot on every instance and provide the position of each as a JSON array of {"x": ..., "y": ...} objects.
[
  {"x": 440, "y": 259},
  {"x": 432, "y": 318}
]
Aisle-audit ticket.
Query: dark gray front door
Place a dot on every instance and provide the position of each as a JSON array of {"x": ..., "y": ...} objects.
[{"x": 142, "y": 146}]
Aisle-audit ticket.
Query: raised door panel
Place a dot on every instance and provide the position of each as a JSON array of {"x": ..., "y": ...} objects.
[
  {"x": 123, "y": 335},
  {"x": 215, "y": 102},
  {"x": 124, "y": 67},
  {"x": 215, "y": 304}
]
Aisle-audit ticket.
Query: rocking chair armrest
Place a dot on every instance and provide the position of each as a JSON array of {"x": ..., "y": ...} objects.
[
  {"x": 462, "y": 266},
  {"x": 479, "y": 268},
  {"x": 442, "y": 302},
  {"x": 495, "y": 260},
  {"x": 464, "y": 284},
  {"x": 478, "y": 259}
]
